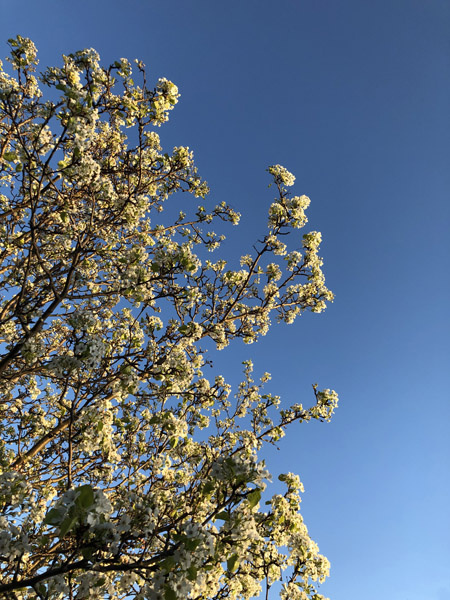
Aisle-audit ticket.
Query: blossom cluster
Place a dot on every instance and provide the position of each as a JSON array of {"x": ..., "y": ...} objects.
[{"x": 281, "y": 175}]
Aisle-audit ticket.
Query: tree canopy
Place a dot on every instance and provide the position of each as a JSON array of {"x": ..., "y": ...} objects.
[{"x": 125, "y": 472}]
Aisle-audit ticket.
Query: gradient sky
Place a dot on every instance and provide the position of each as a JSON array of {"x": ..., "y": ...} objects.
[{"x": 351, "y": 96}]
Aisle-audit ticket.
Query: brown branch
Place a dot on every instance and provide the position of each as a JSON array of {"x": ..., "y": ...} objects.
[
  {"x": 31, "y": 581},
  {"x": 48, "y": 437},
  {"x": 6, "y": 360}
]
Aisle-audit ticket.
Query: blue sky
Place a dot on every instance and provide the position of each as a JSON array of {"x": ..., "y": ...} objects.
[{"x": 351, "y": 96}]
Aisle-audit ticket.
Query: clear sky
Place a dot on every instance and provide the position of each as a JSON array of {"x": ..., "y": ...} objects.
[{"x": 352, "y": 96}]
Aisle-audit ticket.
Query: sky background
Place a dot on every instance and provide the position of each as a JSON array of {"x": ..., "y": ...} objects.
[{"x": 351, "y": 96}]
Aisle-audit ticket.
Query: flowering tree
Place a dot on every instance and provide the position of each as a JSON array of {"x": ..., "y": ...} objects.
[{"x": 124, "y": 471}]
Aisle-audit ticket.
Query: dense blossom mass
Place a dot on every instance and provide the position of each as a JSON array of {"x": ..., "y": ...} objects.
[{"x": 125, "y": 472}]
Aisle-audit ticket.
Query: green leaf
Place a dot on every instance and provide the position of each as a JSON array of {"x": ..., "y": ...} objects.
[
  {"x": 85, "y": 498},
  {"x": 54, "y": 516},
  {"x": 168, "y": 563},
  {"x": 192, "y": 573},
  {"x": 224, "y": 516},
  {"x": 232, "y": 562},
  {"x": 67, "y": 525},
  {"x": 42, "y": 589},
  {"x": 100, "y": 581},
  {"x": 169, "y": 594},
  {"x": 87, "y": 552},
  {"x": 191, "y": 544},
  {"x": 254, "y": 497},
  {"x": 207, "y": 488}
]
